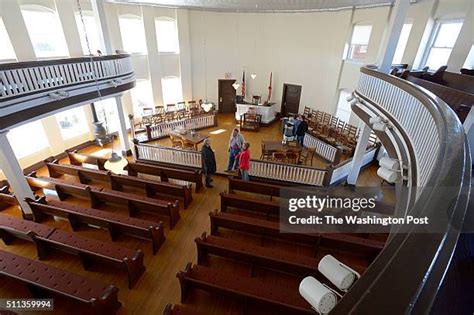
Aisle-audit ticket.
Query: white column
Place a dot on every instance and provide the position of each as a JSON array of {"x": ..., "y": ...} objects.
[
  {"x": 469, "y": 130},
  {"x": 389, "y": 44},
  {"x": 123, "y": 134},
  {"x": 101, "y": 19},
  {"x": 14, "y": 174},
  {"x": 362, "y": 143},
  {"x": 68, "y": 23}
]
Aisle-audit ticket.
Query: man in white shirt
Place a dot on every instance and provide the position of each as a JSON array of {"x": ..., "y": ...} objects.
[{"x": 235, "y": 146}]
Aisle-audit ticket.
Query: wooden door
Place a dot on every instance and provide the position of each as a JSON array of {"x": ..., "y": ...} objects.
[
  {"x": 226, "y": 96},
  {"x": 290, "y": 102}
]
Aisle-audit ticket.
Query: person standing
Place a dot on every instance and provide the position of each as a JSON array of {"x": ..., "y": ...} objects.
[
  {"x": 235, "y": 146},
  {"x": 208, "y": 162},
  {"x": 302, "y": 129},
  {"x": 244, "y": 161}
]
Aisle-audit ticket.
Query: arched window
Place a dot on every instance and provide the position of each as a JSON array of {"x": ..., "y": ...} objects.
[
  {"x": 91, "y": 29},
  {"x": 45, "y": 31},
  {"x": 167, "y": 35},
  {"x": 142, "y": 96},
  {"x": 359, "y": 42},
  {"x": 172, "y": 90},
  {"x": 6, "y": 52},
  {"x": 133, "y": 34}
]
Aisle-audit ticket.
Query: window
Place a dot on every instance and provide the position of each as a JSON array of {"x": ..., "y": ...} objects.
[
  {"x": 7, "y": 52},
  {"x": 402, "y": 43},
  {"x": 72, "y": 123},
  {"x": 45, "y": 32},
  {"x": 359, "y": 42},
  {"x": 444, "y": 36},
  {"x": 469, "y": 63},
  {"x": 343, "y": 110},
  {"x": 172, "y": 90},
  {"x": 92, "y": 31},
  {"x": 167, "y": 35},
  {"x": 142, "y": 96},
  {"x": 133, "y": 34},
  {"x": 107, "y": 112},
  {"x": 28, "y": 139}
]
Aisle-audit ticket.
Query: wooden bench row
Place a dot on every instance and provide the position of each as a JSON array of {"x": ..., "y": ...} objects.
[
  {"x": 242, "y": 287},
  {"x": 42, "y": 280},
  {"x": 151, "y": 188},
  {"x": 344, "y": 242},
  {"x": 88, "y": 250},
  {"x": 135, "y": 168},
  {"x": 115, "y": 224},
  {"x": 249, "y": 204},
  {"x": 98, "y": 196},
  {"x": 7, "y": 199}
]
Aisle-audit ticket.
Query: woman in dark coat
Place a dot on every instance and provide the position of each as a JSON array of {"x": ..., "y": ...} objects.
[{"x": 208, "y": 162}]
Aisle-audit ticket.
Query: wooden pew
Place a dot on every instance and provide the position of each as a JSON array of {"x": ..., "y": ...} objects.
[
  {"x": 88, "y": 250},
  {"x": 236, "y": 184},
  {"x": 228, "y": 283},
  {"x": 7, "y": 199},
  {"x": 178, "y": 310},
  {"x": 98, "y": 196},
  {"x": 271, "y": 258},
  {"x": 151, "y": 188},
  {"x": 115, "y": 224},
  {"x": 342, "y": 242},
  {"x": 249, "y": 204},
  {"x": 78, "y": 159},
  {"x": 164, "y": 172},
  {"x": 42, "y": 279}
]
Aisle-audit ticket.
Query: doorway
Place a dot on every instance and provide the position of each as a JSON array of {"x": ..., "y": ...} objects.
[
  {"x": 226, "y": 96},
  {"x": 290, "y": 102}
]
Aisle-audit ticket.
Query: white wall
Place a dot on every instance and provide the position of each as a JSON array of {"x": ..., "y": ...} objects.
[{"x": 296, "y": 47}]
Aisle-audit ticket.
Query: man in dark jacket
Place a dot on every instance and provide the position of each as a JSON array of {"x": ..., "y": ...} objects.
[
  {"x": 208, "y": 162},
  {"x": 302, "y": 129}
]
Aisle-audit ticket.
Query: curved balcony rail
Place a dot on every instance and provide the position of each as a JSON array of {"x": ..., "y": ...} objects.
[
  {"x": 29, "y": 90},
  {"x": 429, "y": 138}
]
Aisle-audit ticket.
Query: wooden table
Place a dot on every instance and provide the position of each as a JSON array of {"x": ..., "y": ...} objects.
[
  {"x": 195, "y": 139},
  {"x": 277, "y": 146}
]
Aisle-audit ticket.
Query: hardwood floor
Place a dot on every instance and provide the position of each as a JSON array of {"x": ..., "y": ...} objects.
[{"x": 159, "y": 285}]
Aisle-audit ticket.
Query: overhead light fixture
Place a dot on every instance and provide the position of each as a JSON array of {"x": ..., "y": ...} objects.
[
  {"x": 236, "y": 85},
  {"x": 318, "y": 295},
  {"x": 116, "y": 163},
  {"x": 342, "y": 276},
  {"x": 253, "y": 75},
  {"x": 207, "y": 106}
]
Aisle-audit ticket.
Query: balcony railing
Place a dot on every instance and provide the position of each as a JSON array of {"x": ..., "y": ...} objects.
[
  {"x": 29, "y": 90},
  {"x": 430, "y": 141}
]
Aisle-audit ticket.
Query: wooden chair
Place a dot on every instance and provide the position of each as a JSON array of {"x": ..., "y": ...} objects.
[
  {"x": 176, "y": 142},
  {"x": 279, "y": 157},
  {"x": 292, "y": 156},
  {"x": 306, "y": 155},
  {"x": 170, "y": 108},
  {"x": 266, "y": 155},
  {"x": 192, "y": 105},
  {"x": 160, "y": 109},
  {"x": 188, "y": 145},
  {"x": 256, "y": 99},
  {"x": 181, "y": 106}
]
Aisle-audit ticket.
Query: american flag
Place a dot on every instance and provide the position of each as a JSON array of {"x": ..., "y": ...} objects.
[
  {"x": 270, "y": 88},
  {"x": 243, "y": 85}
]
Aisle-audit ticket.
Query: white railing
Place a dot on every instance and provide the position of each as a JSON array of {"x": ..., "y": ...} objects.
[
  {"x": 413, "y": 117},
  {"x": 323, "y": 149},
  {"x": 168, "y": 155},
  {"x": 287, "y": 172},
  {"x": 341, "y": 171},
  {"x": 200, "y": 122}
]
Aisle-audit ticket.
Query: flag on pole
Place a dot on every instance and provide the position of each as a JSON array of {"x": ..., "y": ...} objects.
[
  {"x": 243, "y": 85},
  {"x": 270, "y": 88}
]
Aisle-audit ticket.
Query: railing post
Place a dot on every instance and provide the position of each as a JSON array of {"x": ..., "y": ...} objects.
[
  {"x": 132, "y": 125},
  {"x": 148, "y": 132},
  {"x": 359, "y": 154},
  {"x": 136, "y": 143}
]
